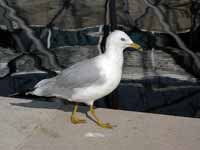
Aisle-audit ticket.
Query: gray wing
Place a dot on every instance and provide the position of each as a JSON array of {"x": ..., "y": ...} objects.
[
  {"x": 79, "y": 75},
  {"x": 82, "y": 74}
]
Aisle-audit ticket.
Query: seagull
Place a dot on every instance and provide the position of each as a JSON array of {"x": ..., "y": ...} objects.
[{"x": 90, "y": 79}]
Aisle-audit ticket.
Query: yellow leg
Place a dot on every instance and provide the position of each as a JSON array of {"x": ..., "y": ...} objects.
[
  {"x": 98, "y": 121},
  {"x": 74, "y": 118}
]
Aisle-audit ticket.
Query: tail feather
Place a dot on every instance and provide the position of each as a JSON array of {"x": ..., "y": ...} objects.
[
  {"x": 22, "y": 93},
  {"x": 43, "y": 83},
  {"x": 43, "y": 87},
  {"x": 36, "y": 90}
]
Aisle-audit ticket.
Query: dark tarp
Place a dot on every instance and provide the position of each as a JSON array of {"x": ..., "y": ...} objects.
[
  {"x": 87, "y": 13},
  {"x": 72, "y": 41}
]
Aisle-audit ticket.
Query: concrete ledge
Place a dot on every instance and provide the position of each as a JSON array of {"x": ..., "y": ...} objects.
[{"x": 36, "y": 125}]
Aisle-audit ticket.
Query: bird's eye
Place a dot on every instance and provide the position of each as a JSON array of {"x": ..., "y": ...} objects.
[{"x": 123, "y": 39}]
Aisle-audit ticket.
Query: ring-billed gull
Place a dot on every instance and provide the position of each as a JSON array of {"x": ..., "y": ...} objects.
[{"x": 91, "y": 79}]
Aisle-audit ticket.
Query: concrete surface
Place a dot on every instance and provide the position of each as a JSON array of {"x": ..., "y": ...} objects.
[{"x": 36, "y": 125}]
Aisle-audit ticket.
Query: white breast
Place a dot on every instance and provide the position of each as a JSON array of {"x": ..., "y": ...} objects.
[{"x": 112, "y": 71}]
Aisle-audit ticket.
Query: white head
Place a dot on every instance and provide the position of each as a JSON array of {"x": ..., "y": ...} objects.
[{"x": 121, "y": 40}]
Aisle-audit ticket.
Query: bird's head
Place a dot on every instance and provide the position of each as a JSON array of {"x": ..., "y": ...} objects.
[{"x": 122, "y": 40}]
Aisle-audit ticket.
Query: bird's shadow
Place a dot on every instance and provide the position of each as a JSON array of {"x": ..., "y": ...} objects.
[{"x": 54, "y": 105}]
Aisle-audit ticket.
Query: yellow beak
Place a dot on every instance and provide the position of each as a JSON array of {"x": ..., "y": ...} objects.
[{"x": 136, "y": 46}]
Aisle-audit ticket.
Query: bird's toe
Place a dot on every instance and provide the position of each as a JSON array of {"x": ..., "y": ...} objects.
[
  {"x": 105, "y": 125},
  {"x": 77, "y": 120}
]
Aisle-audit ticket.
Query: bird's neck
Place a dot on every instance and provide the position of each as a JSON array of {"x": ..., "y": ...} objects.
[{"x": 115, "y": 54}]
